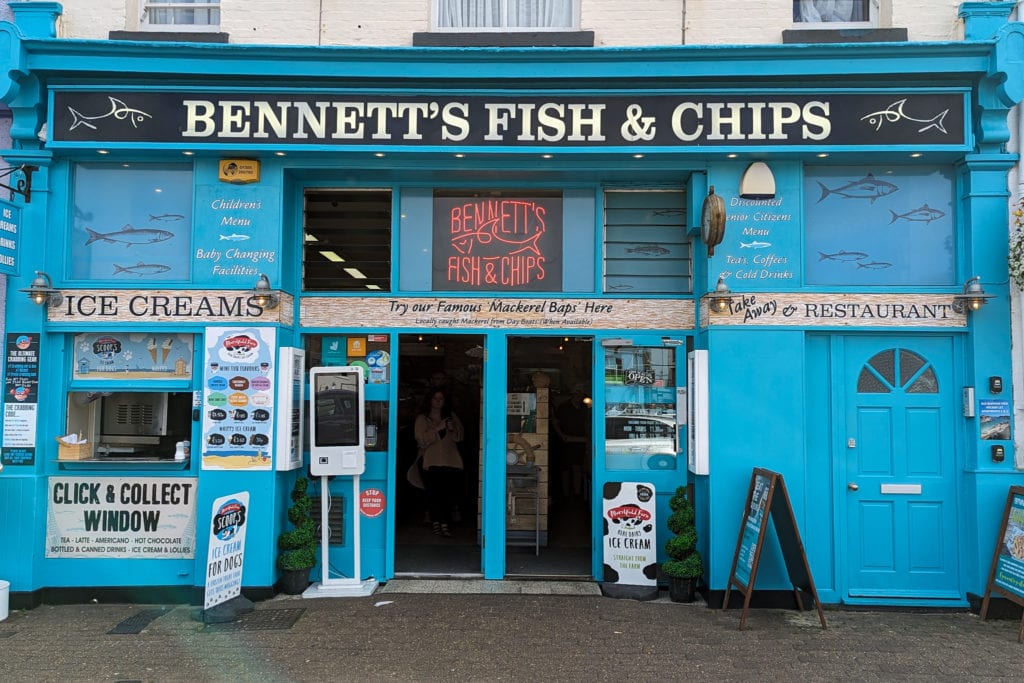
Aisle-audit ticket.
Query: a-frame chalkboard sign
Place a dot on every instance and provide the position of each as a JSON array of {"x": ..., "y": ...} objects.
[
  {"x": 767, "y": 497},
  {"x": 1006, "y": 576}
]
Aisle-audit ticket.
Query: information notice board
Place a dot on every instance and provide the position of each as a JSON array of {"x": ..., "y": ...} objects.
[
  {"x": 1006, "y": 576},
  {"x": 766, "y": 498}
]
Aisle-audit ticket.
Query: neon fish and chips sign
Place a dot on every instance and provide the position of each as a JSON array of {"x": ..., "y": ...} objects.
[{"x": 507, "y": 243}]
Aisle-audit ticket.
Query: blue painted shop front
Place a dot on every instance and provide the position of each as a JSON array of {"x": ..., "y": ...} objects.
[{"x": 527, "y": 239}]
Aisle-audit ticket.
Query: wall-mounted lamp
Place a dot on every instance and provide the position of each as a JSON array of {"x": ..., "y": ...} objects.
[
  {"x": 720, "y": 299},
  {"x": 263, "y": 296},
  {"x": 972, "y": 297},
  {"x": 758, "y": 182},
  {"x": 41, "y": 290}
]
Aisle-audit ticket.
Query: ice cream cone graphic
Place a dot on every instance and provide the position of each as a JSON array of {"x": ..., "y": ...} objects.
[
  {"x": 165, "y": 349},
  {"x": 151, "y": 347}
]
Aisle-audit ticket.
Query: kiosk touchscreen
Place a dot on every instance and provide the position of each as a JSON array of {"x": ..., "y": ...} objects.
[{"x": 337, "y": 421}]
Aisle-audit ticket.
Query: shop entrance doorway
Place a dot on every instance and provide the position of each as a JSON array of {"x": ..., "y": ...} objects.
[
  {"x": 427, "y": 364},
  {"x": 549, "y": 430}
]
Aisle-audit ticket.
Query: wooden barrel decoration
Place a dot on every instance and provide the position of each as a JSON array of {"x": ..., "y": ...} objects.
[{"x": 712, "y": 220}]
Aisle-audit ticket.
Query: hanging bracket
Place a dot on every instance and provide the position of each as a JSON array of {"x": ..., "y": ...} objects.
[{"x": 24, "y": 185}]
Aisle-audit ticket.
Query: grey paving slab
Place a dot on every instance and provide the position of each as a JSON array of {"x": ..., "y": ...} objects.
[{"x": 507, "y": 637}]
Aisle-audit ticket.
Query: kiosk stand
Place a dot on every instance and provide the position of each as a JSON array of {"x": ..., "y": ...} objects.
[{"x": 338, "y": 448}]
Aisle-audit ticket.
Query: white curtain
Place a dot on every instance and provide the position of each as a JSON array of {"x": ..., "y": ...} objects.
[
  {"x": 181, "y": 16},
  {"x": 492, "y": 13},
  {"x": 832, "y": 10}
]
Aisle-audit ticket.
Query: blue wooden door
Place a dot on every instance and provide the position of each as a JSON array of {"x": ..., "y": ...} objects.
[{"x": 899, "y": 470}]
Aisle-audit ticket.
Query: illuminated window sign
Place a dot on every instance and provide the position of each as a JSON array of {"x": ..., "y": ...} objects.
[{"x": 484, "y": 242}]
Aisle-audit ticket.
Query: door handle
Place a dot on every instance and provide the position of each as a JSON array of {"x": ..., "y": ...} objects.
[{"x": 852, "y": 486}]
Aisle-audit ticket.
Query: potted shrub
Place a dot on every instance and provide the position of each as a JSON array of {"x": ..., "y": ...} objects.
[
  {"x": 297, "y": 548},
  {"x": 684, "y": 566}
]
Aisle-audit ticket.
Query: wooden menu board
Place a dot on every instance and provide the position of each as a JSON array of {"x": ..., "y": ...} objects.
[
  {"x": 1006, "y": 576},
  {"x": 767, "y": 497}
]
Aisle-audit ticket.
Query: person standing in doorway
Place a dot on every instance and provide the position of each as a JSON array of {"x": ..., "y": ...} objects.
[
  {"x": 572, "y": 425},
  {"x": 438, "y": 433}
]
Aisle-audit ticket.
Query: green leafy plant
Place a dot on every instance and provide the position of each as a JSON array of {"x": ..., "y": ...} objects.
[
  {"x": 298, "y": 546},
  {"x": 1015, "y": 256},
  {"x": 685, "y": 562}
]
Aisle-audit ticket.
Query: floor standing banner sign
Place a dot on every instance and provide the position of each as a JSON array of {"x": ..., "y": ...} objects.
[
  {"x": 224, "y": 561},
  {"x": 630, "y": 548},
  {"x": 1006, "y": 576}
]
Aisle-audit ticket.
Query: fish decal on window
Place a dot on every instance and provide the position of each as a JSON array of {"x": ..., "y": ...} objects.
[
  {"x": 649, "y": 250},
  {"x": 755, "y": 245},
  {"x": 129, "y": 235},
  {"x": 164, "y": 217},
  {"x": 875, "y": 265},
  {"x": 141, "y": 269},
  {"x": 922, "y": 214},
  {"x": 867, "y": 187},
  {"x": 234, "y": 237},
  {"x": 842, "y": 256},
  {"x": 118, "y": 109}
]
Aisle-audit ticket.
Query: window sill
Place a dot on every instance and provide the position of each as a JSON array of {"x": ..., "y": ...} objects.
[
  {"x": 509, "y": 39},
  {"x": 107, "y": 463},
  {"x": 844, "y": 35},
  {"x": 171, "y": 36}
]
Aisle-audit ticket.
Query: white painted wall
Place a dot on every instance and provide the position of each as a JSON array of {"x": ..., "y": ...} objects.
[{"x": 614, "y": 22}]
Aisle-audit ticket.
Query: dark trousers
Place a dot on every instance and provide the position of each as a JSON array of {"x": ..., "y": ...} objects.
[{"x": 442, "y": 492}]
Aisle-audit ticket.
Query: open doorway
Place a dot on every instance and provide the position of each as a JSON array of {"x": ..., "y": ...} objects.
[
  {"x": 549, "y": 461},
  {"x": 452, "y": 363}
]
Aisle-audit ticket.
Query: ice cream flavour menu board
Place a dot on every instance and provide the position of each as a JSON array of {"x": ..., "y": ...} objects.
[{"x": 238, "y": 398}]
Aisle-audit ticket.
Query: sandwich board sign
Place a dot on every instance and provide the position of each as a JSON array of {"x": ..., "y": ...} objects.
[
  {"x": 1006, "y": 576},
  {"x": 767, "y": 497}
]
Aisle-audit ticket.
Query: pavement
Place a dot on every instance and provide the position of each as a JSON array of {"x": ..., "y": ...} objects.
[{"x": 512, "y": 633}]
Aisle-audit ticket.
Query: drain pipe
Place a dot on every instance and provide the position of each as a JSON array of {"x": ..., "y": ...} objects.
[{"x": 1017, "y": 297}]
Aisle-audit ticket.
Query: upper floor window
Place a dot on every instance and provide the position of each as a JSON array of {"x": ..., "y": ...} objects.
[
  {"x": 180, "y": 15},
  {"x": 835, "y": 13},
  {"x": 506, "y": 15}
]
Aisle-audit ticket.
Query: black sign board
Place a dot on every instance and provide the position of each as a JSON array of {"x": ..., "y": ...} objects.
[
  {"x": 767, "y": 497},
  {"x": 1006, "y": 576},
  {"x": 686, "y": 119}
]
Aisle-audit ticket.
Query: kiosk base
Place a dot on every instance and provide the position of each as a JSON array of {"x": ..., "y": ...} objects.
[{"x": 345, "y": 588}]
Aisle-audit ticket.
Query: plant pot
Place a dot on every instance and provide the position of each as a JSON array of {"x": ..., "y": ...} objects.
[
  {"x": 294, "y": 581},
  {"x": 682, "y": 590}
]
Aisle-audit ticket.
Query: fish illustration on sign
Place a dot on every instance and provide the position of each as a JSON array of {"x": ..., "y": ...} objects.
[
  {"x": 465, "y": 242},
  {"x": 649, "y": 250},
  {"x": 867, "y": 187},
  {"x": 875, "y": 265},
  {"x": 118, "y": 109},
  {"x": 894, "y": 113},
  {"x": 922, "y": 214},
  {"x": 141, "y": 269},
  {"x": 129, "y": 235},
  {"x": 234, "y": 237},
  {"x": 619, "y": 287},
  {"x": 755, "y": 245},
  {"x": 842, "y": 256},
  {"x": 164, "y": 217}
]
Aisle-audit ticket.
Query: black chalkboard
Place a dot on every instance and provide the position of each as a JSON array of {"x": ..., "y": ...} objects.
[
  {"x": 1006, "y": 576},
  {"x": 767, "y": 497}
]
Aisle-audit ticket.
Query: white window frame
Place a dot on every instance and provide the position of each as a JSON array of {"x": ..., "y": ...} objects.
[
  {"x": 146, "y": 25},
  {"x": 874, "y": 10},
  {"x": 435, "y": 27}
]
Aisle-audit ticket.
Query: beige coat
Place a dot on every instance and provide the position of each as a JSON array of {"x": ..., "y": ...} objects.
[{"x": 437, "y": 451}]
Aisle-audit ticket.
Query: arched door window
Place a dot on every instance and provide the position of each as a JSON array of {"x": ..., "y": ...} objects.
[{"x": 895, "y": 369}]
